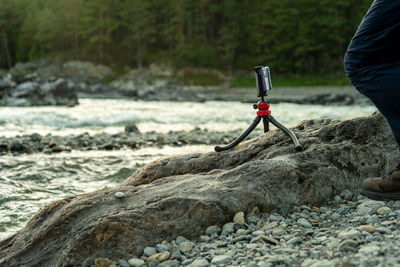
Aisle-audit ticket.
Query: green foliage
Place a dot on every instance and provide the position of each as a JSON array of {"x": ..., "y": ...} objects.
[
  {"x": 292, "y": 37},
  {"x": 304, "y": 80}
]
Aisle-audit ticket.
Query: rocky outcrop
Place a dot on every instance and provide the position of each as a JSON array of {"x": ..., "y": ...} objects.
[
  {"x": 79, "y": 71},
  {"x": 34, "y": 91},
  {"x": 183, "y": 195}
]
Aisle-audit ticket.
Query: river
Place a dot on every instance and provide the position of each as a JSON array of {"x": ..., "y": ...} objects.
[{"x": 31, "y": 181}]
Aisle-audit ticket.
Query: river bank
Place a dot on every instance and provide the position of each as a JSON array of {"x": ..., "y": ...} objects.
[
  {"x": 130, "y": 139},
  {"x": 349, "y": 230},
  {"x": 60, "y": 83}
]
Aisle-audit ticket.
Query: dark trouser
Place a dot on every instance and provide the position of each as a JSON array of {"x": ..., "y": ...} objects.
[{"x": 372, "y": 61}]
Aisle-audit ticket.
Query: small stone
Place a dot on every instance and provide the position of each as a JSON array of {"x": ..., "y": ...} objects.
[
  {"x": 373, "y": 219},
  {"x": 383, "y": 230},
  {"x": 349, "y": 234},
  {"x": 369, "y": 206},
  {"x": 161, "y": 248},
  {"x": 148, "y": 251},
  {"x": 162, "y": 256},
  {"x": 221, "y": 259},
  {"x": 169, "y": 263},
  {"x": 136, "y": 262},
  {"x": 335, "y": 216},
  {"x": 212, "y": 230},
  {"x": 119, "y": 194},
  {"x": 274, "y": 217},
  {"x": 123, "y": 263},
  {"x": 346, "y": 194},
  {"x": 349, "y": 243},
  {"x": 154, "y": 263},
  {"x": 270, "y": 240},
  {"x": 278, "y": 232},
  {"x": 383, "y": 210},
  {"x": 304, "y": 222},
  {"x": 104, "y": 262},
  {"x": 131, "y": 128},
  {"x": 199, "y": 263},
  {"x": 322, "y": 263},
  {"x": 181, "y": 239},
  {"x": 240, "y": 232},
  {"x": 270, "y": 225},
  {"x": 295, "y": 240},
  {"x": 366, "y": 228},
  {"x": 239, "y": 218},
  {"x": 253, "y": 219},
  {"x": 337, "y": 199},
  {"x": 227, "y": 229},
  {"x": 204, "y": 238},
  {"x": 258, "y": 232},
  {"x": 186, "y": 247}
]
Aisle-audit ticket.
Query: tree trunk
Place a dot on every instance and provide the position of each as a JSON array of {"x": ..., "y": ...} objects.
[{"x": 6, "y": 49}]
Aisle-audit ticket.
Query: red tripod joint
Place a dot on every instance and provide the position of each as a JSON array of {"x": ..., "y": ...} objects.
[{"x": 263, "y": 109}]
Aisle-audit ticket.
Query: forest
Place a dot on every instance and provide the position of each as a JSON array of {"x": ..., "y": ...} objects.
[{"x": 291, "y": 36}]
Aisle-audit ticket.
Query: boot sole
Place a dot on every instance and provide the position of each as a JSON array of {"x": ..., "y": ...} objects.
[{"x": 380, "y": 195}]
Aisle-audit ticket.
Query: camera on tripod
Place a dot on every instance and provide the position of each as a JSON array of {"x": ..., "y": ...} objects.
[{"x": 263, "y": 79}]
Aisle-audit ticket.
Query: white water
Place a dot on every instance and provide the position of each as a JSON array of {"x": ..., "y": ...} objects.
[
  {"x": 111, "y": 116},
  {"x": 30, "y": 181}
]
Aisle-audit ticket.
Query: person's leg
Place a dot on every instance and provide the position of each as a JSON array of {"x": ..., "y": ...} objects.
[
  {"x": 372, "y": 64},
  {"x": 372, "y": 61}
]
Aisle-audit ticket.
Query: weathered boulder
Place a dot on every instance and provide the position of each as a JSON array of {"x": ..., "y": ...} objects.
[
  {"x": 34, "y": 91},
  {"x": 74, "y": 70},
  {"x": 183, "y": 195}
]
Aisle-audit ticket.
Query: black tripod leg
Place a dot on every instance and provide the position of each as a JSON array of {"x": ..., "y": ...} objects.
[
  {"x": 241, "y": 137},
  {"x": 266, "y": 124},
  {"x": 287, "y": 131}
]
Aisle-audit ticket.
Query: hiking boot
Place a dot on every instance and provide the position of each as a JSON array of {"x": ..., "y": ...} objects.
[{"x": 383, "y": 188}]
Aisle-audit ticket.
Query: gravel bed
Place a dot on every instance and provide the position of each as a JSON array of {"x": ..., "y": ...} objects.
[
  {"x": 350, "y": 230},
  {"x": 49, "y": 144}
]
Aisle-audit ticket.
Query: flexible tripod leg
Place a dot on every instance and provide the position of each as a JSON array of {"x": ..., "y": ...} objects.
[
  {"x": 266, "y": 124},
  {"x": 241, "y": 137},
  {"x": 287, "y": 131}
]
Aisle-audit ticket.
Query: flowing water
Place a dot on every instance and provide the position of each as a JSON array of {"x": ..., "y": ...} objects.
[{"x": 30, "y": 181}]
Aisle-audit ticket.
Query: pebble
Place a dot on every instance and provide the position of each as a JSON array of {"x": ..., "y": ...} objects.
[
  {"x": 161, "y": 248},
  {"x": 104, "y": 262},
  {"x": 227, "y": 229},
  {"x": 239, "y": 218},
  {"x": 186, "y": 247},
  {"x": 119, "y": 194},
  {"x": 162, "y": 256},
  {"x": 136, "y": 262},
  {"x": 304, "y": 222},
  {"x": 383, "y": 210},
  {"x": 199, "y": 263},
  {"x": 148, "y": 251},
  {"x": 221, "y": 259},
  {"x": 295, "y": 240},
  {"x": 212, "y": 230},
  {"x": 366, "y": 228},
  {"x": 349, "y": 234}
]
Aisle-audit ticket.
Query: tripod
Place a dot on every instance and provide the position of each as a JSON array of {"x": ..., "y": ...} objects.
[
  {"x": 265, "y": 114},
  {"x": 263, "y": 79}
]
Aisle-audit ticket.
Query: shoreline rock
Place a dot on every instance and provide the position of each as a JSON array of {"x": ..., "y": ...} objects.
[
  {"x": 130, "y": 139},
  {"x": 184, "y": 195},
  {"x": 163, "y": 83},
  {"x": 34, "y": 91}
]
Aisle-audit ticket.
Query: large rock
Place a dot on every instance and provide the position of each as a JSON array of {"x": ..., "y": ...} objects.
[
  {"x": 183, "y": 195},
  {"x": 36, "y": 91},
  {"x": 75, "y": 70}
]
